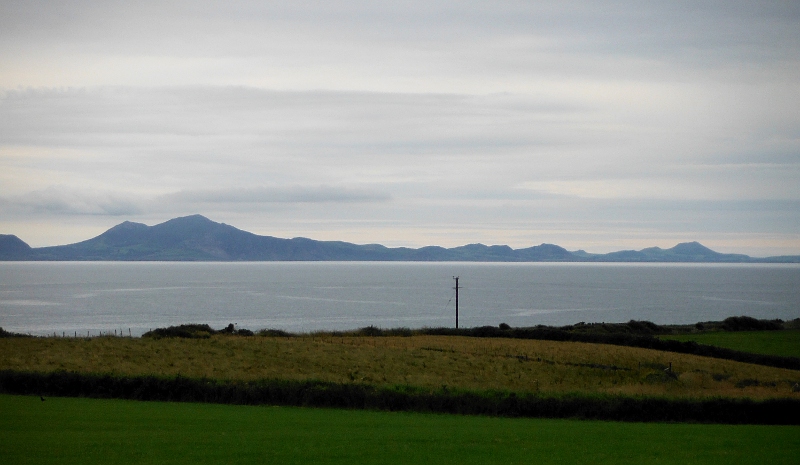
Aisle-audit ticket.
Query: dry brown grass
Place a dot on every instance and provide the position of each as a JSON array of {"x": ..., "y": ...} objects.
[{"x": 424, "y": 361}]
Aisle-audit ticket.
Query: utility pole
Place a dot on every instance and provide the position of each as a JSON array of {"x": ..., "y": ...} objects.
[{"x": 456, "y": 288}]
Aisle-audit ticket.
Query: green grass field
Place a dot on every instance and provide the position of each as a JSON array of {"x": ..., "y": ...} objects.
[
  {"x": 86, "y": 431},
  {"x": 784, "y": 343}
]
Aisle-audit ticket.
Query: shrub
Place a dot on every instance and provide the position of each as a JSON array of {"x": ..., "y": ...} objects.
[
  {"x": 746, "y": 323},
  {"x": 371, "y": 331},
  {"x": 191, "y": 331},
  {"x": 4, "y": 333},
  {"x": 274, "y": 333},
  {"x": 195, "y": 331}
]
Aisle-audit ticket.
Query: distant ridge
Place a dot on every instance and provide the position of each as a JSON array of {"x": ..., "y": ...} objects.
[{"x": 196, "y": 238}]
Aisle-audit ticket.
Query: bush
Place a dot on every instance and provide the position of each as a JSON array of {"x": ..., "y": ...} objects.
[
  {"x": 195, "y": 331},
  {"x": 274, "y": 333},
  {"x": 191, "y": 331},
  {"x": 4, "y": 333},
  {"x": 746, "y": 323},
  {"x": 371, "y": 331}
]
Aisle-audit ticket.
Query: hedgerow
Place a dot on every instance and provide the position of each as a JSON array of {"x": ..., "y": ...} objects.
[{"x": 402, "y": 398}]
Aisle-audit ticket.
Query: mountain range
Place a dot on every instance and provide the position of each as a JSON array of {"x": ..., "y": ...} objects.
[{"x": 196, "y": 238}]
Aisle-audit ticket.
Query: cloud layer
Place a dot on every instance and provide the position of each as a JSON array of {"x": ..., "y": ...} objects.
[{"x": 600, "y": 125}]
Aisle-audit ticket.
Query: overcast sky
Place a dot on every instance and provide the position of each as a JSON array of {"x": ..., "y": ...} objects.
[{"x": 598, "y": 125}]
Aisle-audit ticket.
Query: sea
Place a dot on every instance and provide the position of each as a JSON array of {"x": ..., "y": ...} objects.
[{"x": 130, "y": 298}]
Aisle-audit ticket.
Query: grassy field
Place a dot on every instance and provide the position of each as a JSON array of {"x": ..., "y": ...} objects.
[
  {"x": 545, "y": 367},
  {"x": 785, "y": 343},
  {"x": 85, "y": 431}
]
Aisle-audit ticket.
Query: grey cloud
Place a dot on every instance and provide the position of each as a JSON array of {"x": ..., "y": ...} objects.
[
  {"x": 61, "y": 200},
  {"x": 705, "y": 33},
  {"x": 186, "y": 138},
  {"x": 260, "y": 195},
  {"x": 75, "y": 116},
  {"x": 274, "y": 137}
]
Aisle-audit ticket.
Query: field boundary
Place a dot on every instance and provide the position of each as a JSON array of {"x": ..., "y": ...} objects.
[
  {"x": 402, "y": 398},
  {"x": 618, "y": 339},
  {"x": 640, "y": 334}
]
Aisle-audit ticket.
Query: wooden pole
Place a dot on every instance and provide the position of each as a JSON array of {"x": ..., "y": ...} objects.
[{"x": 456, "y": 278}]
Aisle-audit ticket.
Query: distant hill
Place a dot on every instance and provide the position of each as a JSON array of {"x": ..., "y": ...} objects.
[
  {"x": 684, "y": 252},
  {"x": 196, "y": 238},
  {"x": 12, "y": 248}
]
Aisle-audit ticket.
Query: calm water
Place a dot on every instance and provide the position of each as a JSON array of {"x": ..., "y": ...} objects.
[{"x": 42, "y": 298}]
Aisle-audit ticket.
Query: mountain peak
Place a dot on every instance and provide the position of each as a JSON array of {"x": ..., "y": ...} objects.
[
  {"x": 186, "y": 223},
  {"x": 692, "y": 248},
  {"x": 127, "y": 226},
  {"x": 196, "y": 216},
  {"x": 196, "y": 219},
  {"x": 186, "y": 227},
  {"x": 12, "y": 247}
]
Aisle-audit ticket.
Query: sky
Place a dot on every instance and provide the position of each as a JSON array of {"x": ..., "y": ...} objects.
[{"x": 597, "y": 125}]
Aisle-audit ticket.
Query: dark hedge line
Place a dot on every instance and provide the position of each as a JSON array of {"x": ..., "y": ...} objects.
[
  {"x": 621, "y": 339},
  {"x": 632, "y": 334},
  {"x": 401, "y": 398}
]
